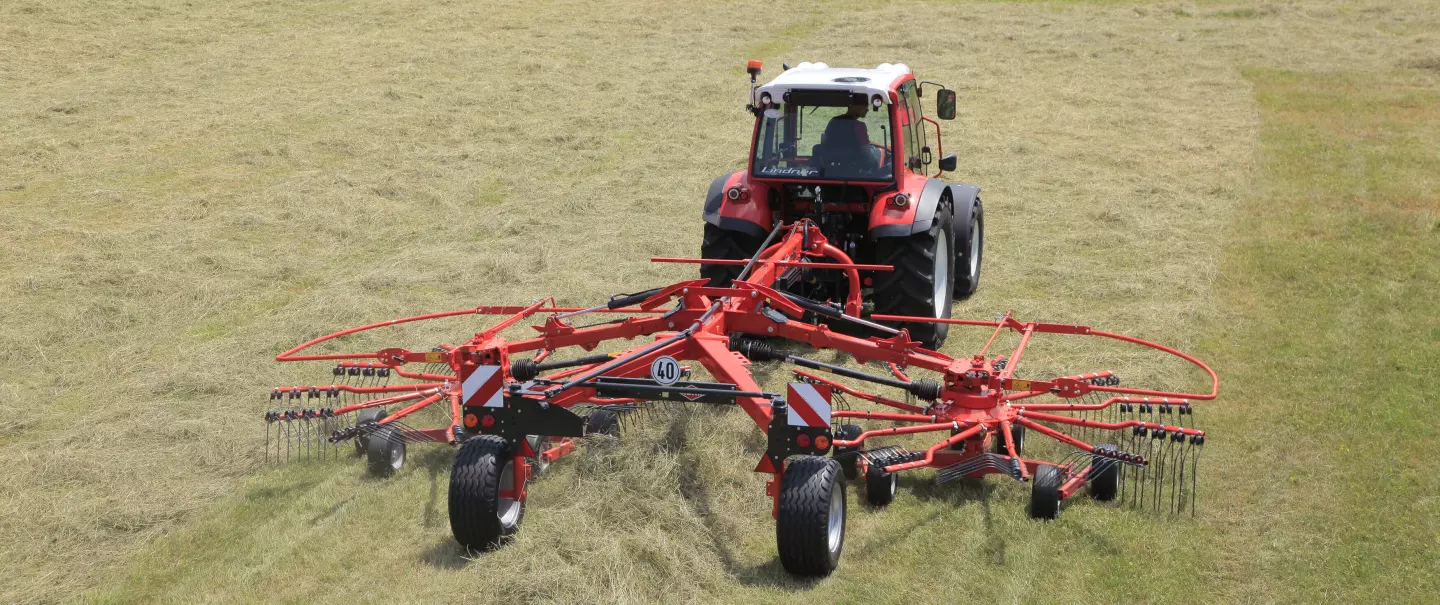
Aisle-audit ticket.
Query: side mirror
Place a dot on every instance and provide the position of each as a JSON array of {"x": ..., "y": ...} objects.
[
  {"x": 945, "y": 105},
  {"x": 948, "y": 161}
]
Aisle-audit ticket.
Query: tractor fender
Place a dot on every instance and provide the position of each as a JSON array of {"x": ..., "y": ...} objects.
[
  {"x": 964, "y": 196},
  {"x": 888, "y": 221},
  {"x": 748, "y": 216}
]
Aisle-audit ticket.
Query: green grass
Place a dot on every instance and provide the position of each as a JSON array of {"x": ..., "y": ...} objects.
[{"x": 188, "y": 189}]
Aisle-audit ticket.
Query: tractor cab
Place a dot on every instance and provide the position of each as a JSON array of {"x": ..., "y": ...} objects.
[
  {"x": 851, "y": 151},
  {"x": 839, "y": 125}
]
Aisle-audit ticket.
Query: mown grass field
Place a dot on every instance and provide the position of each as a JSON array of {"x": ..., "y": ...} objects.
[{"x": 188, "y": 188}]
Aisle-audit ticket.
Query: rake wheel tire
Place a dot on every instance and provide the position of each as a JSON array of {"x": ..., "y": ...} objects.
[
  {"x": 1018, "y": 433},
  {"x": 1105, "y": 485},
  {"x": 966, "y": 280},
  {"x": 727, "y": 245},
  {"x": 385, "y": 452},
  {"x": 810, "y": 524},
  {"x": 603, "y": 422},
  {"x": 920, "y": 260},
  {"x": 362, "y": 441},
  {"x": 539, "y": 443},
  {"x": 848, "y": 457},
  {"x": 479, "y": 518},
  {"x": 1045, "y": 492},
  {"x": 880, "y": 486}
]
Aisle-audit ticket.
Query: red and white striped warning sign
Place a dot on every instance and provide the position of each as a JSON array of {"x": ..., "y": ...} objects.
[
  {"x": 809, "y": 405},
  {"x": 482, "y": 386}
]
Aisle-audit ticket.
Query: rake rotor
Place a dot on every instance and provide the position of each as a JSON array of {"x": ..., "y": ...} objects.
[{"x": 511, "y": 409}]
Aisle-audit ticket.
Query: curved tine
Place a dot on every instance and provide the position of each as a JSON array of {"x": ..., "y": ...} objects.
[
  {"x": 1178, "y": 499},
  {"x": 1194, "y": 483}
]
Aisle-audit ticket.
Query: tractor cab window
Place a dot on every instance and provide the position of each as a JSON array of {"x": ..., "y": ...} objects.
[{"x": 824, "y": 135}]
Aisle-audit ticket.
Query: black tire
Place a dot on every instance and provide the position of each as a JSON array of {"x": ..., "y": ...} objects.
[
  {"x": 1045, "y": 492},
  {"x": 362, "y": 441},
  {"x": 1104, "y": 484},
  {"x": 1017, "y": 433},
  {"x": 847, "y": 456},
  {"x": 911, "y": 289},
  {"x": 728, "y": 245},
  {"x": 880, "y": 486},
  {"x": 967, "y": 280},
  {"x": 479, "y": 518},
  {"x": 603, "y": 422},
  {"x": 385, "y": 452},
  {"x": 812, "y": 503}
]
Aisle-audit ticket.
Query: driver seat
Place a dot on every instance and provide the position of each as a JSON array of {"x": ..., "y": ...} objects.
[{"x": 846, "y": 144}]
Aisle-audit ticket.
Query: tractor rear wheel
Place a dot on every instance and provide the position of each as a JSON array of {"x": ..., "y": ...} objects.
[
  {"x": 810, "y": 526},
  {"x": 362, "y": 441},
  {"x": 1105, "y": 476},
  {"x": 479, "y": 517},
  {"x": 385, "y": 452},
  {"x": 969, "y": 251},
  {"x": 1045, "y": 492},
  {"x": 726, "y": 245},
  {"x": 923, "y": 282}
]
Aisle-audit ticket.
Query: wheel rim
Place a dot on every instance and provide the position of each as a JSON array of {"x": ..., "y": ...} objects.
[
  {"x": 942, "y": 271},
  {"x": 894, "y": 481},
  {"x": 974, "y": 248},
  {"x": 836, "y": 525},
  {"x": 397, "y": 451},
  {"x": 508, "y": 509}
]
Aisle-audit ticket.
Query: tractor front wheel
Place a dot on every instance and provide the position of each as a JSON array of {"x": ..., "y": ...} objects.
[
  {"x": 810, "y": 526},
  {"x": 922, "y": 283},
  {"x": 480, "y": 518}
]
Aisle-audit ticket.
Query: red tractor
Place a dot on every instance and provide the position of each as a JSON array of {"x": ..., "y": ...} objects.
[{"x": 848, "y": 150}]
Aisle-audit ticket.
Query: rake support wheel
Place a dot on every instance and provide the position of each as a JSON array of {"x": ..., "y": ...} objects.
[
  {"x": 479, "y": 517},
  {"x": 1105, "y": 484},
  {"x": 385, "y": 452},
  {"x": 1045, "y": 492},
  {"x": 880, "y": 486},
  {"x": 847, "y": 456},
  {"x": 362, "y": 441},
  {"x": 810, "y": 526}
]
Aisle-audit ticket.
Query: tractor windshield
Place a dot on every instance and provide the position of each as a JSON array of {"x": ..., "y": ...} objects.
[{"x": 836, "y": 142}]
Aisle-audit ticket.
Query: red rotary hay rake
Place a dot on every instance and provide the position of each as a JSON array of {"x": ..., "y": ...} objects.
[{"x": 511, "y": 410}]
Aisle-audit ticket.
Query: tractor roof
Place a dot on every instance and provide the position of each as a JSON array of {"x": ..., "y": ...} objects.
[{"x": 819, "y": 76}]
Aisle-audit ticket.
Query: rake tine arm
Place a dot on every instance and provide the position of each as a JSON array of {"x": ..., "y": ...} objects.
[
  {"x": 897, "y": 372},
  {"x": 930, "y": 452},
  {"x": 1054, "y": 434},
  {"x": 1009, "y": 437},
  {"x": 868, "y": 415},
  {"x": 1075, "y": 407},
  {"x": 897, "y": 430},
  {"x": 383, "y": 401},
  {"x": 412, "y": 408},
  {"x": 861, "y": 394},
  {"x": 1109, "y": 426}
]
